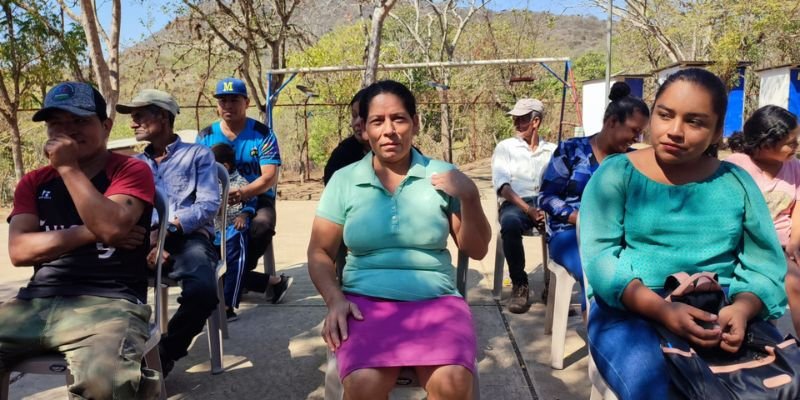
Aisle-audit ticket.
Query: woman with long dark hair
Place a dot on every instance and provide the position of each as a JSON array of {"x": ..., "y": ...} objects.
[{"x": 674, "y": 207}]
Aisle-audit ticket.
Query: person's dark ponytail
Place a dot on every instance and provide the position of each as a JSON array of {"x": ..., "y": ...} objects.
[
  {"x": 766, "y": 128},
  {"x": 619, "y": 90},
  {"x": 623, "y": 105},
  {"x": 736, "y": 142}
]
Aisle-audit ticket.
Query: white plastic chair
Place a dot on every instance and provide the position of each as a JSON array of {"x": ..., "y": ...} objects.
[
  {"x": 408, "y": 377},
  {"x": 55, "y": 364},
  {"x": 217, "y": 323},
  {"x": 559, "y": 298}
]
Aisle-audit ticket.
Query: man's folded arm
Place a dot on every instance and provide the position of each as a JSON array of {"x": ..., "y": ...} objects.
[{"x": 28, "y": 246}]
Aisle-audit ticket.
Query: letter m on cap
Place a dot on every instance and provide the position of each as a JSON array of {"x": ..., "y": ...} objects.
[{"x": 227, "y": 86}]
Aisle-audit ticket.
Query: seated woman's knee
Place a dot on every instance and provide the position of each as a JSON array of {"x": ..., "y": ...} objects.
[
  {"x": 369, "y": 383},
  {"x": 450, "y": 382}
]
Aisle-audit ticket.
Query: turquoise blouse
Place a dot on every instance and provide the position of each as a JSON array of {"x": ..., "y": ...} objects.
[
  {"x": 635, "y": 228},
  {"x": 397, "y": 241}
]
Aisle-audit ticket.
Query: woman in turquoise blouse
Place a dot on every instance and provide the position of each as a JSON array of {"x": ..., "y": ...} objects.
[
  {"x": 670, "y": 208},
  {"x": 398, "y": 305}
]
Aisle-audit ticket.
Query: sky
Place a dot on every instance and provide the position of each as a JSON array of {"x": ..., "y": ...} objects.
[{"x": 141, "y": 18}]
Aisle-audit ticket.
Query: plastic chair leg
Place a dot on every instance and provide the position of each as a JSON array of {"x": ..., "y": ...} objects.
[
  {"x": 564, "y": 285},
  {"x": 333, "y": 386},
  {"x": 563, "y": 295},
  {"x": 164, "y": 316},
  {"x": 551, "y": 294},
  {"x": 269, "y": 258},
  {"x": 5, "y": 382},
  {"x": 215, "y": 342},
  {"x": 476, "y": 384},
  {"x": 499, "y": 265},
  {"x": 596, "y": 395},
  {"x": 600, "y": 389},
  {"x": 153, "y": 361},
  {"x": 223, "y": 320}
]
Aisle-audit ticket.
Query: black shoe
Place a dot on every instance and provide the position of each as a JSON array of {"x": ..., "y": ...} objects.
[
  {"x": 230, "y": 315},
  {"x": 279, "y": 289},
  {"x": 269, "y": 292}
]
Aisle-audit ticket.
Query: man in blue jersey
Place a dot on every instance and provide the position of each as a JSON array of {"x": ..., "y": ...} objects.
[{"x": 257, "y": 160}]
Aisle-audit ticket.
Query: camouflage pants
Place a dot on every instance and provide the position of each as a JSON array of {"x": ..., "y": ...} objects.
[{"x": 102, "y": 340}]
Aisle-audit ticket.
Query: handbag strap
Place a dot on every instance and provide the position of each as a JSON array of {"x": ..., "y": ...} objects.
[{"x": 700, "y": 281}]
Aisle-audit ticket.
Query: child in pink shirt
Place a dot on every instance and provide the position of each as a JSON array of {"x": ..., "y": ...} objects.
[{"x": 766, "y": 149}]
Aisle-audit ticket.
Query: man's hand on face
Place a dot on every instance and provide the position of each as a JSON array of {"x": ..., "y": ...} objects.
[{"x": 62, "y": 151}]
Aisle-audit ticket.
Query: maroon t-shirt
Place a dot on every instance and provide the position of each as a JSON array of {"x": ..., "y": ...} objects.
[{"x": 95, "y": 269}]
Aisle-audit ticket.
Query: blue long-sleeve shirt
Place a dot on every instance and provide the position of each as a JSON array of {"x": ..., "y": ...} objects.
[
  {"x": 188, "y": 175},
  {"x": 567, "y": 174}
]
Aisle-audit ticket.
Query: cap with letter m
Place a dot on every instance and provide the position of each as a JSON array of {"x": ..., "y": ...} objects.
[{"x": 230, "y": 86}]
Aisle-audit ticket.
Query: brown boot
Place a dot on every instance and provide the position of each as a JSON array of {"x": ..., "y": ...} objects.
[{"x": 518, "y": 303}]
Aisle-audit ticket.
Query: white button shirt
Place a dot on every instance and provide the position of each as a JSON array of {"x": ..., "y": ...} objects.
[{"x": 514, "y": 163}]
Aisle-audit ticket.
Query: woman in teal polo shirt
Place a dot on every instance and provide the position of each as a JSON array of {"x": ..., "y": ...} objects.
[{"x": 397, "y": 305}]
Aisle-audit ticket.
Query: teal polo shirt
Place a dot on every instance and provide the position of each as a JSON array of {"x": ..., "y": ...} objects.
[{"x": 397, "y": 242}]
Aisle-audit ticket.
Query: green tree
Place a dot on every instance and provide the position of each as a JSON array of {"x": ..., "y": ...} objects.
[
  {"x": 436, "y": 28},
  {"x": 327, "y": 125},
  {"x": 723, "y": 31},
  {"x": 101, "y": 45},
  {"x": 590, "y": 65},
  {"x": 31, "y": 58},
  {"x": 254, "y": 31}
]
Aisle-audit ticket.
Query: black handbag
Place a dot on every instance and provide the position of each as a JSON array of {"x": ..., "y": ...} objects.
[{"x": 764, "y": 367}]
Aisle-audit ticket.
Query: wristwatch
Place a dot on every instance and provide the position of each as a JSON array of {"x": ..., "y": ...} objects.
[{"x": 173, "y": 229}]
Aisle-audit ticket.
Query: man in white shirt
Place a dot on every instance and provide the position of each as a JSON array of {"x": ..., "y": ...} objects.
[{"x": 518, "y": 164}]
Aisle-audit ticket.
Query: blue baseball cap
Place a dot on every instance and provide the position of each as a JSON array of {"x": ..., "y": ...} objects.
[
  {"x": 231, "y": 86},
  {"x": 76, "y": 98}
]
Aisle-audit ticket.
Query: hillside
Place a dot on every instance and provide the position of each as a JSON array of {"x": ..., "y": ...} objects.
[
  {"x": 160, "y": 61},
  {"x": 185, "y": 59}
]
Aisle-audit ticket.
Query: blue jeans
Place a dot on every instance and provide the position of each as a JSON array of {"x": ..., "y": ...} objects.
[
  {"x": 563, "y": 248},
  {"x": 193, "y": 263},
  {"x": 513, "y": 222},
  {"x": 627, "y": 352}
]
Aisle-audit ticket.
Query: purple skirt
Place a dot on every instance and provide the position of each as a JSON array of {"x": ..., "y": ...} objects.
[{"x": 407, "y": 334}]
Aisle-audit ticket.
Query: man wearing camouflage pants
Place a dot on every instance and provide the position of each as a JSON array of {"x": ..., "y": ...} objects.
[{"x": 82, "y": 223}]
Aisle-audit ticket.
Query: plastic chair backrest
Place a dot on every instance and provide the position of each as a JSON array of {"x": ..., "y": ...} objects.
[
  {"x": 585, "y": 280},
  {"x": 222, "y": 213},
  {"x": 269, "y": 251},
  {"x": 161, "y": 206}
]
